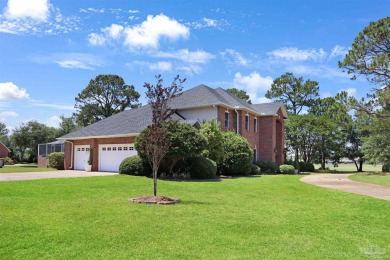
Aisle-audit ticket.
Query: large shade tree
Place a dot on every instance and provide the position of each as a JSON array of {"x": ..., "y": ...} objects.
[
  {"x": 104, "y": 96},
  {"x": 298, "y": 96},
  {"x": 240, "y": 93}
]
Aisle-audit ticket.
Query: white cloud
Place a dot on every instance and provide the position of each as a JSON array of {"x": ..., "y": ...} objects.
[
  {"x": 161, "y": 66},
  {"x": 149, "y": 32},
  {"x": 190, "y": 69},
  {"x": 96, "y": 39},
  {"x": 146, "y": 35},
  {"x": 55, "y": 106},
  {"x": 53, "y": 121},
  {"x": 35, "y": 17},
  {"x": 5, "y": 114},
  {"x": 71, "y": 60},
  {"x": 351, "y": 91},
  {"x": 92, "y": 10},
  {"x": 338, "y": 51},
  {"x": 114, "y": 31},
  {"x": 234, "y": 57},
  {"x": 254, "y": 84},
  {"x": 9, "y": 90},
  {"x": 320, "y": 71},
  {"x": 295, "y": 54},
  {"x": 187, "y": 56},
  {"x": 34, "y": 9},
  {"x": 207, "y": 23},
  {"x": 133, "y": 11}
]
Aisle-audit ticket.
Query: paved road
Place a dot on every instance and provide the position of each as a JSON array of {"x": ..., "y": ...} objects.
[
  {"x": 50, "y": 175},
  {"x": 341, "y": 182}
]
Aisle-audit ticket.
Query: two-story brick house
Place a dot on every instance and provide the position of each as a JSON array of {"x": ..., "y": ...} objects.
[{"x": 112, "y": 139}]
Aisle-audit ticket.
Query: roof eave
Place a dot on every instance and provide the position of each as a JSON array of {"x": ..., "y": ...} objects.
[{"x": 98, "y": 137}]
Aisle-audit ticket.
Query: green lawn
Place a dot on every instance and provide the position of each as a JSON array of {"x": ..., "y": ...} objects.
[
  {"x": 350, "y": 167},
  {"x": 381, "y": 179},
  {"x": 267, "y": 217},
  {"x": 23, "y": 168}
]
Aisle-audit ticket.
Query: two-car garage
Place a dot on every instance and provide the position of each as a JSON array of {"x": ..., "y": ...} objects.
[{"x": 110, "y": 156}]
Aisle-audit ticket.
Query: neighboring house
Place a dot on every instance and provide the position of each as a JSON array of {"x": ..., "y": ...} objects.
[
  {"x": 45, "y": 149},
  {"x": 4, "y": 151},
  {"x": 112, "y": 139}
]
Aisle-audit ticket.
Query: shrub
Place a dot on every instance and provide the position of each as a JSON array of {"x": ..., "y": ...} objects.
[
  {"x": 214, "y": 146},
  {"x": 134, "y": 165},
  {"x": 287, "y": 169},
  {"x": 267, "y": 166},
  {"x": 386, "y": 167},
  {"x": 255, "y": 170},
  {"x": 202, "y": 168},
  {"x": 306, "y": 167},
  {"x": 56, "y": 160},
  {"x": 293, "y": 163},
  {"x": 8, "y": 161},
  {"x": 237, "y": 157}
]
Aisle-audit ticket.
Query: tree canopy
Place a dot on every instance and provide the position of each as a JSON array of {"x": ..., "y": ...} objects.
[
  {"x": 3, "y": 129},
  {"x": 370, "y": 54},
  {"x": 240, "y": 93},
  {"x": 293, "y": 92},
  {"x": 104, "y": 96}
]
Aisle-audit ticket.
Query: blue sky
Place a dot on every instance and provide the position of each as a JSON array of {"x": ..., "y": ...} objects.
[{"x": 50, "y": 49}]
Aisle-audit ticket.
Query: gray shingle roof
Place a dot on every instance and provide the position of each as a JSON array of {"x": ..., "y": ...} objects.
[{"x": 135, "y": 120}]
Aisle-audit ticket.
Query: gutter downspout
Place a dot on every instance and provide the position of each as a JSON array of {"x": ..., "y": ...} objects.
[
  {"x": 237, "y": 120},
  {"x": 71, "y": 155}
]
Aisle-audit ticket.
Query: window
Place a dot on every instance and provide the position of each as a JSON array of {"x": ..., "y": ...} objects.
[
  {"x": 255, "y": 125},
  {"x": 114, "y": 148},
  {"x": 227, "y": 123},
  {"x": 247, "y": 122},
  {"x": 108, "y": 148},
  {"x": 119, "y": 148},
  {"x": 254, "y": 155},
  {"x": 125, "y": 148},
  {"x": 104, "y": 148},
  {"x": 131, "y": 148}
]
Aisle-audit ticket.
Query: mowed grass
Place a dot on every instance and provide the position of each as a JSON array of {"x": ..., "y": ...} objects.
[
  {"x": 267, "y": 217},
  {"x": 23, "y": 168},
  {"x": 381, "y": 179},
  {"x": 350, "y": 167}
]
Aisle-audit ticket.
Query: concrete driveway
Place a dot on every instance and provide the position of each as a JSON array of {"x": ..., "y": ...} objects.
[
  {"x": 50, "y": 175},
  {"x": 343, "y": 183}
]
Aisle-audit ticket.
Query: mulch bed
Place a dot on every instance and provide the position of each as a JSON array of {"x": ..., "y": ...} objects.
[{"x": 161, "y": 200}]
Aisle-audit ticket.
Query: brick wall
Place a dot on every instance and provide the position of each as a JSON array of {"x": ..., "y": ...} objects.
[
  {"x": 94, "y": 144},
  {"x": 267, "y": 129},
  {"x": 3, "y": 151}
]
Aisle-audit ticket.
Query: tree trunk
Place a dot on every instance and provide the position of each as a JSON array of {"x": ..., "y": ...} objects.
[
  {"x": 296, "y": 155},
  {"x": 356, "y": 165},
  {"x": 155, "y": 172},
  {"x": 360, "y": 165},
  {"x": 322, "y": 161}
]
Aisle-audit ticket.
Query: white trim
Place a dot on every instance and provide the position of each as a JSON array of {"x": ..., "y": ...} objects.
[{"x": 99, "y": 137}]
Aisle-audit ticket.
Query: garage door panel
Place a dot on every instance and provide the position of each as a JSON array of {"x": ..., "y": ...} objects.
[
  {"x": 81, "y": 156},
  {"x": 111, "y": 156}
]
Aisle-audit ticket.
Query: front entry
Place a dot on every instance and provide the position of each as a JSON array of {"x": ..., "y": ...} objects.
[{"x": 81, "y": 156}]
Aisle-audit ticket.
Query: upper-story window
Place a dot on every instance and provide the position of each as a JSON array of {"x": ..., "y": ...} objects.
[
  {"x": 247, "y": 122},
  {"x": 227, "y": 121},
  {"x": 255, "y": 125}
]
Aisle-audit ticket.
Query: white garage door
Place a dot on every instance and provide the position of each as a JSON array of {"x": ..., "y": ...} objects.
[
  {"x": 81, "y": 156},
  {"x": 111, "y": 156}
]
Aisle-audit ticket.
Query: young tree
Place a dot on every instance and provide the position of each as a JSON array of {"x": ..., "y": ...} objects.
[
  {"x": 156, "y": 143},
  {"x": 240, "y": 93},
  {"x": 104, "y": 96}
]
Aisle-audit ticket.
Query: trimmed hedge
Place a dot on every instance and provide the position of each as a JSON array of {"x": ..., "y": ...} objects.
[
  {"x": 386, "y": 167},
  {"x": 287, "y": 169},
  {"x": 202, "y": 168},
  {"x": 134, "y": 165},
  {"x": 306, "y": 167},
  {"x": 56, "y": 160},
  {"x": 267, "y": 166},
  {"x": 255, "y": 170}
]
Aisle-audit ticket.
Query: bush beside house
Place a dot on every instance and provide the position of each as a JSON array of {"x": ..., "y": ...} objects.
[{"x": 56, "y": 160}]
